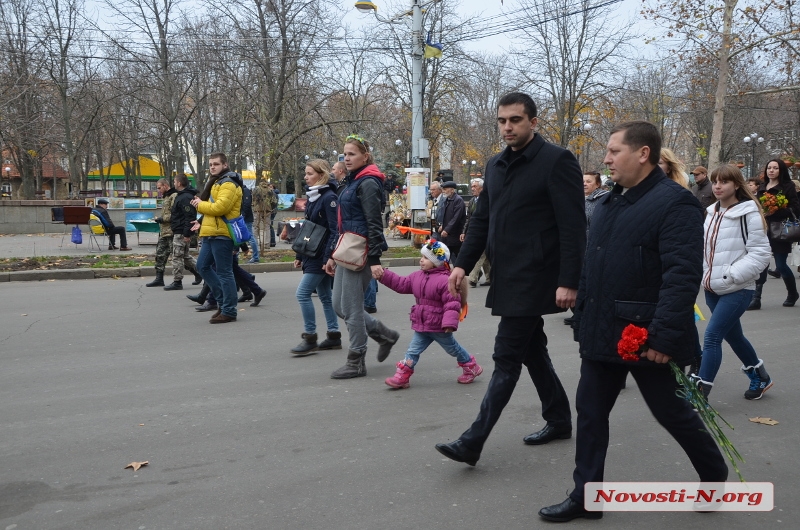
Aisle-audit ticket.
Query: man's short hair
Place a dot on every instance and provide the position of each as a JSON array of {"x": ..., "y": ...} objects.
[
  {"x": 698, "y": 170},
  {"x": 182, "y": 180},
  {"x": 163, "y": 182},
  {"x": 638, "y": 134},
  {"x": 477, "y": 181},
  {"x": 515, "y": 98},
  {"x": 435, "y": 184},
  {"x": 221, "y": 156}
]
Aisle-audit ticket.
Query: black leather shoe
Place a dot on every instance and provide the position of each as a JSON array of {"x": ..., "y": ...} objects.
[
  {"x": 548, "y": 434},
  {"x": 456, "y": 451},
  {"x": 197, "y": 279},
  {"x": 245, "y": 297},
  {"x": 567, "y": 511},
  {"x": 207, "y": 307},
  {"x": 774, "y": 274},
  {"x": 568, "y": 321}
]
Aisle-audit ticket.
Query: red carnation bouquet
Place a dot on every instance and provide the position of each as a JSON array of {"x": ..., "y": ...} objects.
[{"x": 633, "y": 344}]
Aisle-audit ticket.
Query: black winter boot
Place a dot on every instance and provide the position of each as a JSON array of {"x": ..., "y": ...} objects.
[
  {"x": 197, "y": 278},
  {"x": 307, "y": 346},
  {"x": 333, "y": 342},
  {"x": 200, "y": 298},
  {"x": 158, "y": 282},
  {"x": 385, "y": 337},
  {"x": 354, "y": 367},
  {"x": 176, "y": 285},
  {"x": 755, "y": 303},
  {"x": 791, "y": 288}
]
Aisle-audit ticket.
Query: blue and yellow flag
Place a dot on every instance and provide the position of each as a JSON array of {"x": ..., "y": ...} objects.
[{"x": 432, "y": 49}]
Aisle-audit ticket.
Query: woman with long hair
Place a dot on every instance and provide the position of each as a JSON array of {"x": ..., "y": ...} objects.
[
  {"x": 778, "y": 184},
  {"x": 736, "y": 251},
  {"x": 673, "y": 167},
  {"x": 321, "y": 209},
  {"x": 361, "y": 203}
]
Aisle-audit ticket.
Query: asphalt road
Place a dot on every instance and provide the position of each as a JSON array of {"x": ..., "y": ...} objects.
[{"x": 100, "y": 373}]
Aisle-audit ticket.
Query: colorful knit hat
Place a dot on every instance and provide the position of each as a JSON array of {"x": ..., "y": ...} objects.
[{"x": 437, "y": 252}]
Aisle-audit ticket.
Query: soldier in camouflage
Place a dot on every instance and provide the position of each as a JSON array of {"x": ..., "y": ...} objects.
[
  {"x": 164, "y": 248},
  {"x": 183, "y": 217}
]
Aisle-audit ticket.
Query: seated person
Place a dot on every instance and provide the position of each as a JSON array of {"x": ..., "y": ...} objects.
[{"x": 102, "y": 213}]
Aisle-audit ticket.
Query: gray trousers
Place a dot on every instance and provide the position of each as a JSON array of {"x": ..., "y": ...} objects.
[
  {"x": 483, "y": 263},
  {"x": 348, "y": 302}
]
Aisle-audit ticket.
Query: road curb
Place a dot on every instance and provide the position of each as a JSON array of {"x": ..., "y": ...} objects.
[{"x": 132, "y": 272}]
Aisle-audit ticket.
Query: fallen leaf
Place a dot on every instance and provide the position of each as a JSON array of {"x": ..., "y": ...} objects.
[
  {"x": 141, "y": 425},
  {"x": 764, "y": 421},
  {"x": 24, "y": 314},
  {"x": 136, "y": 465}
]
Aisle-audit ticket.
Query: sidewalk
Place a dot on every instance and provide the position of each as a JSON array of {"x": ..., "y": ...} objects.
[{"x": 38, "y": 245}]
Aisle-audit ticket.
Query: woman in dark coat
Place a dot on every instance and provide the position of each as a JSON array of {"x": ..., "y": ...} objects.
[
  {"x": 778, "y": 182},
  {"x": 320, "y": 209}
]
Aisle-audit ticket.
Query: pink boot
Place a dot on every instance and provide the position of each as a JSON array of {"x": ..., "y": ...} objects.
[
  {"x": 471, "y": 370},
  {"x": 401, "y": 377}
]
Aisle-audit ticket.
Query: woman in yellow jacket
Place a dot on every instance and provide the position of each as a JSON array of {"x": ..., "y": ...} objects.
[{"x": 221, "y": 198}]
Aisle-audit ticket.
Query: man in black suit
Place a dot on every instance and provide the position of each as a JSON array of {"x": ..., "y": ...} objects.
[
  {"x": 453, "y": 219},
  {"x": 530, "y": 220}
]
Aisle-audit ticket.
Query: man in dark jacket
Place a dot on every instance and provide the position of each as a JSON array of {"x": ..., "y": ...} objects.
[
  {"x": 530, "y": 220},
  {"x": 183, "y": 216},
  {"x": 102, "y": 213},
  {"x": 650, "y": 228},
  {"x": 453, "y": 219},
  {"x": 702, "y": 187}
]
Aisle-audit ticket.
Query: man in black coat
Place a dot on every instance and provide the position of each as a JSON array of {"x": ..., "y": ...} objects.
[
  {"x": 111, "y": 230},
  {"x": 530, "y": 220},
  {"x": 643, "y": 266},
  {"x": 453, "y": 219}
]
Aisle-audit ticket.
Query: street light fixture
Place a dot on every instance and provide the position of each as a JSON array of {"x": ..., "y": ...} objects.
[
  {"x": 587, "y": 127},
  {"x": 366, "y": 6},
  {"x": 752, "y": 140}
]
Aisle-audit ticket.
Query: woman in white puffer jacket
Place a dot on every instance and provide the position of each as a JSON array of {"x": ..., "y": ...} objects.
[{"x": 736, "y": 251}]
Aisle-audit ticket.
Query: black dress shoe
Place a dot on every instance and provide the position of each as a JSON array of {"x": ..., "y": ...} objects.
[
  {"x": 567, "y": 511},
  {"x": 207, "y": 307},
  {"x": 456, "y": 451},
  {"x": 245, "y": 297},
  {"x": 548, "y": 434},
  {"x": 568, "y": 321},
  {"x": 774, "y": 274}
]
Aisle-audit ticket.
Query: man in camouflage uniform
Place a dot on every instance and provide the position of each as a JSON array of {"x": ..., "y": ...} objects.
[
  {"x": 164, "y": 248},
  {"x": 264, "y": 202},
  {"x": 183, "y": 217}
]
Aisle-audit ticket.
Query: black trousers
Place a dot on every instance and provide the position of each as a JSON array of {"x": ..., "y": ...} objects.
[
  {"x": 598, "y": 389},
  {"x": 112, "y": 233},
  {"x": 519, "y": 341}
]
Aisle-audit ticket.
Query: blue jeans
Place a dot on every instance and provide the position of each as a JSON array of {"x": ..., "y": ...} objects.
[
  {"x": 322, "y": 283},
  {"x": 253, "y": 243},
  {"x": 219, "y": 250},
  {"x": 371, "y": 294},
  {"x": 421, "y": 340},
  {"x": 724, "y": 323}
]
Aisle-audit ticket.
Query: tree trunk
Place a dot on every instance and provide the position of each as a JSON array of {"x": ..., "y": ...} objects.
[{"x": 723, "y": 60}]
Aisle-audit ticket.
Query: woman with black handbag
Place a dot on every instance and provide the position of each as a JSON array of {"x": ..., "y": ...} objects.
[
  {"x": 314, "y": 247},
  {"x": 778, "y": 184}
]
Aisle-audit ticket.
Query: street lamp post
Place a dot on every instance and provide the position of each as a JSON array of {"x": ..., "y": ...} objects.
[
  {"x": 587, "y": 127},
  {"x": 8, "y": 178},
  {"x": 752, "y": 140},
  {"x": 367, "y": 6}
]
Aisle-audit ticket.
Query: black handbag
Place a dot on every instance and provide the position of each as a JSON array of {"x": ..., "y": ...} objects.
[
  {"x": 787, "y": 230},
  {"x": 310, "y": 241}
]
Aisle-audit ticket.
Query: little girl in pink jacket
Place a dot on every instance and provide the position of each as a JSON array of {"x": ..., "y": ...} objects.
[{"x": 434, "y": 317}]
